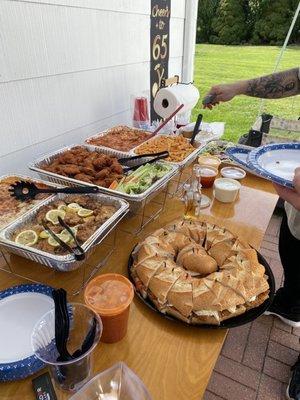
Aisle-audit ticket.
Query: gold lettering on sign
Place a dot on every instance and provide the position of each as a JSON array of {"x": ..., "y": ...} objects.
[{"x": 160, "y": 12}]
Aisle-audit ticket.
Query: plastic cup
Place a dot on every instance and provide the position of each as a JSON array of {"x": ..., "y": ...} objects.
[
  {"x": 114, "y": 312},
  {"x": 117, "y": 382},
  {"x": 67, "y": 375}
]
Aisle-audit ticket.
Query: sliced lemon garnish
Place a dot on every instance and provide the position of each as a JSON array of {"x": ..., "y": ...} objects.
[
  {"x": 62, "y": 207},
  {"x": 84, "y": 212},
  {"x": 74, "y": 229},
  {"x": 74, "y": 206},
  {"x": 65, "y": 238},
  {"x": 53, "y": 242},
  {"x": 52, "y": 216},
  {"x": 27, "y": 238},
  {"x": 44, "y": 235}
]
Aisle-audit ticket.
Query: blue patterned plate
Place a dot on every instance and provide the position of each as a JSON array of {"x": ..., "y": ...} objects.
[
  {"x": 20, "y": 308},
  {"x": 276, "y": 162},
  {"x": 239, "y": 155}
]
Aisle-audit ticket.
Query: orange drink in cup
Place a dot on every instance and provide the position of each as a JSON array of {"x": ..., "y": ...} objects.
[{"x": 110, "y": 295}]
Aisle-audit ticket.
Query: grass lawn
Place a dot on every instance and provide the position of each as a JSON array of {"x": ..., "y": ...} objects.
[{"x": 221, "y": 64}]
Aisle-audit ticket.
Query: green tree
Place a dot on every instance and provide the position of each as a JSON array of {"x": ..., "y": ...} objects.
[
  {"x": 230, "y": 22},
  {"x": 206, "y": 13},
  {"x": 273, "y": 22}
]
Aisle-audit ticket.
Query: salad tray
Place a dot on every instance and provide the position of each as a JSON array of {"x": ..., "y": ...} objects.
[{"x": 62, "y": 262}]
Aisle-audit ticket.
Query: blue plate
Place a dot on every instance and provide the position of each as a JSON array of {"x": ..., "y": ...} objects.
[
  {"x": 239, "y": 155},
  {"x": 276, "y": 162},
  {"x": 20, "y": 308}
]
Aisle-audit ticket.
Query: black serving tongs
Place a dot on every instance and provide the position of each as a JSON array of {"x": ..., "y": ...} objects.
[
  {"x": 62, "y": 328},
  {"x": 77, "y": 251},
  {"x": 155, "y": 157},
  {"x": 23, "y": 190}
]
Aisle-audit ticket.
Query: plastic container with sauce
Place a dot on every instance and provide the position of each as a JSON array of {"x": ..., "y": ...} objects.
[
  {"x": 207, "y": 160},
  {"x": 226, "y": 190},
  {"x": 207, "y": 175},
  {"x": 110, "y": 295}
]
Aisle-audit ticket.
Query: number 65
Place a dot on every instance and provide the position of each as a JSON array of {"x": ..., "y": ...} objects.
[{"x": 156, "y": 48}]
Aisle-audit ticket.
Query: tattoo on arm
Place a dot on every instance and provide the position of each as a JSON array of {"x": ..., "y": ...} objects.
[{"x": 275, "y": 86}]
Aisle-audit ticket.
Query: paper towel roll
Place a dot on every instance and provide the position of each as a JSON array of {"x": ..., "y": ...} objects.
[{"x": 168, "y": 99}]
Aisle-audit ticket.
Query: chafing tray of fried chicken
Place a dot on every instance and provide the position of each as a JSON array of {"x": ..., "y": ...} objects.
[
  {"x": 65, "y": 262},
  {"x": 41, "y": 164}
]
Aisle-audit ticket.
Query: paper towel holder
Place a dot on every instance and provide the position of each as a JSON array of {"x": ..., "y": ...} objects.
[{"x": 174, "y": 80}]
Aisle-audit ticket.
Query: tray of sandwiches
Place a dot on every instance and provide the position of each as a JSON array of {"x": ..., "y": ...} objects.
[
  {"x": 181, "y": 152},
  {"x": 80, "y": 165},
  {"x": 11, "y": 208},
  {"x": 201, "y": 274},
  {"x": 89, "y": 217},
  {"x": 121, "y": 138}
]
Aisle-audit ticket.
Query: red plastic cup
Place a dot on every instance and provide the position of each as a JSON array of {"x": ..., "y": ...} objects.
[{"x": 141, "y": 112}]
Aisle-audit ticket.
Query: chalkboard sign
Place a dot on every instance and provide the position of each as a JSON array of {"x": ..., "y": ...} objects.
[{"x": 159, "y": 46}]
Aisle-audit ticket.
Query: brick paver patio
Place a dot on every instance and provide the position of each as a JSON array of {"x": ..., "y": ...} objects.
[{"x": 256, "y": 358}]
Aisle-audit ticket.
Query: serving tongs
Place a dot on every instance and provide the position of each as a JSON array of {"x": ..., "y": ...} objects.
[
  {"x": 24, "y": 191},
  {"x": 155, "y": 157},
  {"x": 77, "y": 251}
]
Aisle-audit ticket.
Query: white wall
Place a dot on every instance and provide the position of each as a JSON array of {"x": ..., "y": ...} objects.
[{"x": 68, "y": 68}]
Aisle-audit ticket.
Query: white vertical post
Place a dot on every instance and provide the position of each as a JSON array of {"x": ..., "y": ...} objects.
[{"x": 190, "y": 26}]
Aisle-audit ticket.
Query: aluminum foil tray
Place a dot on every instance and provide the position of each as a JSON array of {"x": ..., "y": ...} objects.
[
  {"x": 62, "y": 262},
  {"x": 184, "y": 163},
  {"x": 37, "y": 202},
  {"x": 103, "y": 133},
  {"x": 132, "y": 199}
]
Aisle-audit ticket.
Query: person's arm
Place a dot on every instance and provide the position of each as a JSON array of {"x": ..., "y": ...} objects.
[
  {"x": 292, "y": 196},
  {"x": 274, "y": 86}
]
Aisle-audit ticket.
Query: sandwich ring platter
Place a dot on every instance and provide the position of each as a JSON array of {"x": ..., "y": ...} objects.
[
  {"x": 200, "y": 274},
  {"x": 234, "y": 322}
]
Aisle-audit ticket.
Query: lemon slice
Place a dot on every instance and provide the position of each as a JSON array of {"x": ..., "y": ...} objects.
[
  {"x": 53, "y": 242},
  {"x": 73, "y": 229},
  {"x": 64, "y": 237},
  {"x": 52, "y": 216},
  {"x": 27, "y": 238},
  {"x": 84, "y": 212},
  {"x": 74, "y": 206},
  {"x": 62, "y": 207},
  {"x": 44, "y": 235}
]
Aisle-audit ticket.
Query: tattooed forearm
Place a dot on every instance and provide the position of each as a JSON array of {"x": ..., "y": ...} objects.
[{"x": 275, "y": 86}]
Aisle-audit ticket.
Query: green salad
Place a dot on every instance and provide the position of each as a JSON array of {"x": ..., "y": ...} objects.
[{"x": 140, "y": 180}]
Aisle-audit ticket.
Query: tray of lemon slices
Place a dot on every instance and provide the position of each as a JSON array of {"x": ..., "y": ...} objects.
[{"x": 89, "y": 217}]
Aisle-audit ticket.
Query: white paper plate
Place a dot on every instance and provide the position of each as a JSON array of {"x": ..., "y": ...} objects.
[
  {"x": 276, "y": 162},
  {"x": 20, "y": 308}
]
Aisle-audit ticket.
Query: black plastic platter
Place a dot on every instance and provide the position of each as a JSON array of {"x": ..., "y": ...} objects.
[{"x": 242, "y": 319}]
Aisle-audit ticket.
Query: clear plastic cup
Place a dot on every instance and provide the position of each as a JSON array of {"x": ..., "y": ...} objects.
[
  {"x": 116, "y": 383},
  {"x": 67, "y": 375},
  {"x": 111, "y": 303}
]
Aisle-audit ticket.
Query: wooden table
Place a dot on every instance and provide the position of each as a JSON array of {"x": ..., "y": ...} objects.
[{"x": 174, "y": 361}]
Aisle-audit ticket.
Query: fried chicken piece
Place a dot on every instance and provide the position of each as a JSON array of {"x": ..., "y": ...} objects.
[
  {"x": 104, "y": 173},
  {"x": 70, "y": 169},
  {"x": 84, "y": 178},
  {"x": 117, "y": 168},
  {"x": 88, "y": 171}
]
